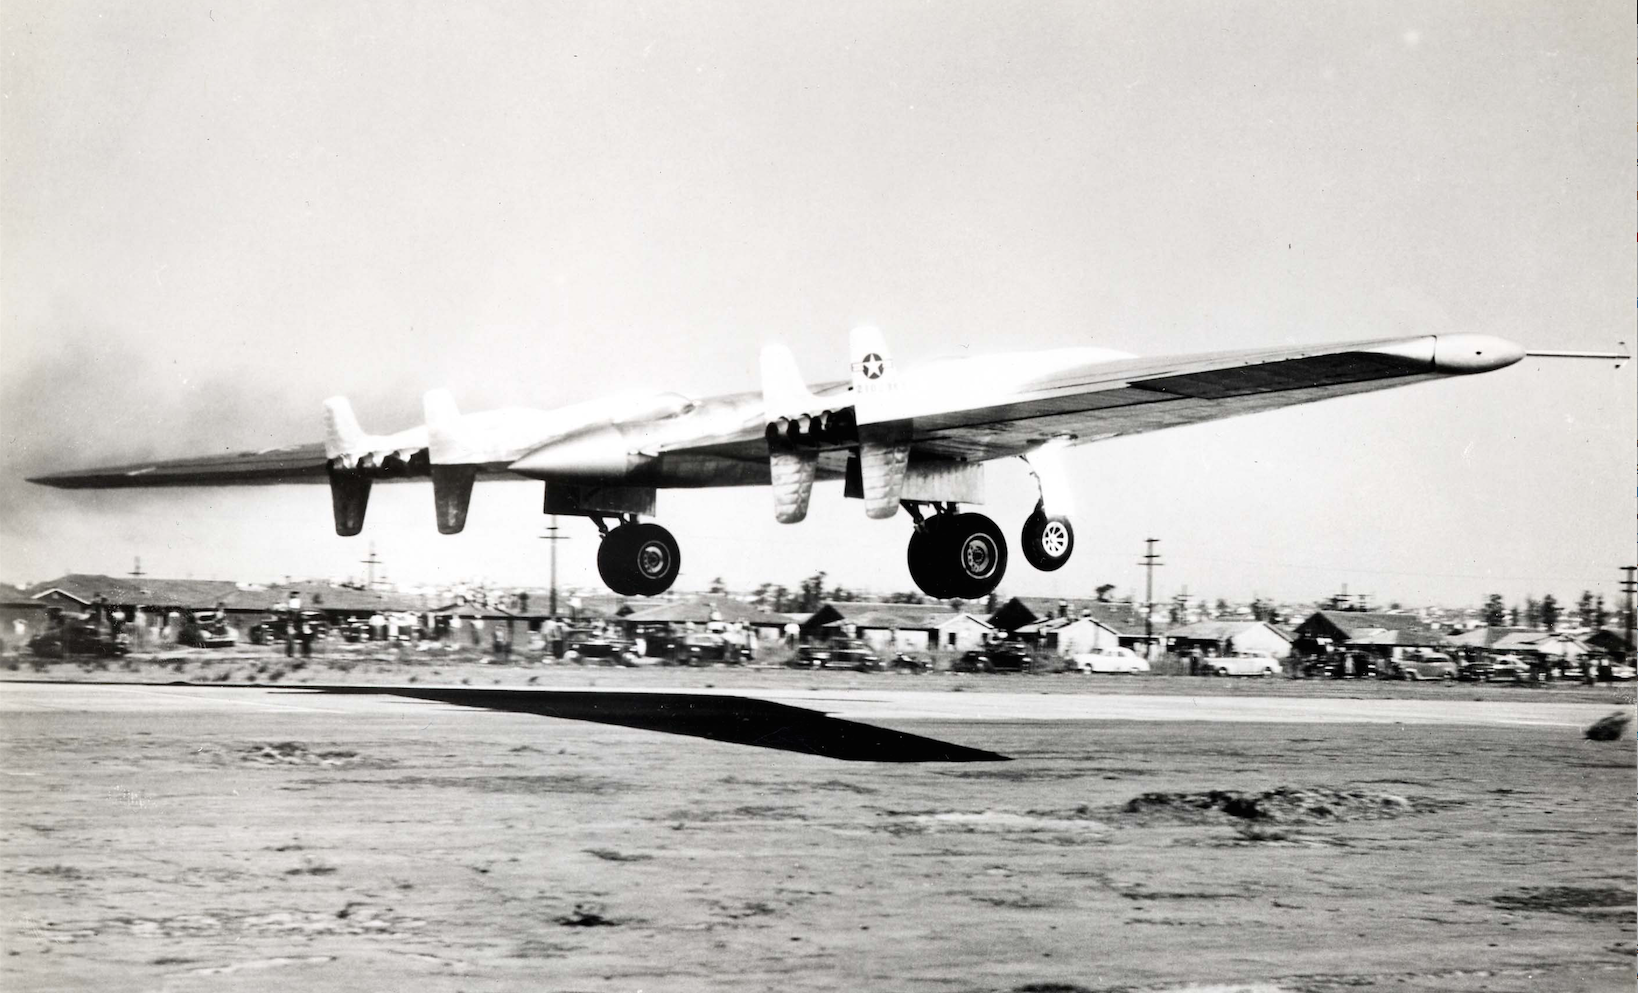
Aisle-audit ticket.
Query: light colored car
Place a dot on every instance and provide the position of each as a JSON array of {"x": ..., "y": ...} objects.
[
  {"x": 1425, "y": 665},
  {"x": 1243, "y": 664},
  {"x": 1122, "y": 660}
]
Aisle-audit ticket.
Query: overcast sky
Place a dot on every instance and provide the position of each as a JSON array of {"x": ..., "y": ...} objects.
[{"x": 216, "y": 216}]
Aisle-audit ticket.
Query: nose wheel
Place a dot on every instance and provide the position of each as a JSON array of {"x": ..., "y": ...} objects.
[
  {"x": 957, "y": 555},
  {"x": 638, "y": 559},
  {"x": 1047, "y": 541}
]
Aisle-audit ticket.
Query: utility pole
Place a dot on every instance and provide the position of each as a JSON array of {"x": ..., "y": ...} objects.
[
  {"x": 1151, "y": 559},
  {"x": 553, "y": 537},
  {"x": 136, "y": 570},
  {"x": 1180, "y": 603},
  {"x": 370, "y": 561},
  {"x": 1628, "y": 586}
]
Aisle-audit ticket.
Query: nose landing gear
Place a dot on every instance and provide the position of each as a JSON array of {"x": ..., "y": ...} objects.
[
  {"x": 1047, "y": 541},
  {"x": 638, "y": 559}
]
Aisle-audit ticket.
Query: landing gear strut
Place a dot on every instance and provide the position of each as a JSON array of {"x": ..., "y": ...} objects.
[
  {"x": 637, "y": 559},
  {"x": 956, "y": 555}
]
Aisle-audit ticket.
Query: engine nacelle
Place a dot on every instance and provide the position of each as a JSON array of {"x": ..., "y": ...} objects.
[{"x": 349, "y": 498}]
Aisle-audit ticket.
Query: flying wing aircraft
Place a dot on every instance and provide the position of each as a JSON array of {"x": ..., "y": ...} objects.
[{"x": 916, "y": 438}]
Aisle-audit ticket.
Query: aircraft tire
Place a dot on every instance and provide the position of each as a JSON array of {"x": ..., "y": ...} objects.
[
  {"x": 653, "y": 559},
  {"x": 924, "y": 545},
  {"x": 972, "y": 553},
  {"x": 613, "y": 561},
  {"x": 1047, "y": 542}
]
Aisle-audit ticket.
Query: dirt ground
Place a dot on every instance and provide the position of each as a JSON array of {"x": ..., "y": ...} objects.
[{"x": 185, "y": 840}]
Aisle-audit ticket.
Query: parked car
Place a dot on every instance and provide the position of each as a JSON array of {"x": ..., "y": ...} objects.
[
  {"x": 271, "y": 629},
  {"x": 1425, "y": 665},
  {"x": 842, "y": 653},
  {"x": 1243, "y": 664},
  {"x": 1325, "y": 667},
  {"x": 854, "y": 655},
  {"x": 604, "y": 649},
  {"x": 1006, "y": 656},
  {"x": 78, "y": 637},
  {"x": 1623, "y": 672},
  {"x": 705, "y": 648},
  {"x": 355, "y": 631},
  {"x": 811, "y": 656},
  {"x": 1476, "y": 670},
  {"x": 1342, "y": 665},
  {"x": 1508, "y": 668},
  {"x": 207, "y": 629},
  {"x": 1118, "y": 660},
  {"x": 916, "y": 662}
]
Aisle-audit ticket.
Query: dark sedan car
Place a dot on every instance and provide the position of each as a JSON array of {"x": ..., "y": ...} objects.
[
  {"x": 78, "y": 638},
  {"x": 854, "y": 655},
  {"x": 845, "y": 654},
  {"x": 271, "y": 630},
  {"x": 207, "y": 629},
  {"x": 602, "y": 649},
  {"x": 703, "y": 648},
  {"x": 810, "y": 657},
  {"x": 916, "y": 662},
  {"x": 1003, "y": 657}
]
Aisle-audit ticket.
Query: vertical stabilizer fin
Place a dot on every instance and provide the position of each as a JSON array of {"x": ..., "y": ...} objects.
[
  {"x": 443, "y": 426},
  {"x": 343, "y": 438},
  {"x": 784, "y": 392},
  {"x": 875, "y": 377},
  {"x": 870, "y": 359}
]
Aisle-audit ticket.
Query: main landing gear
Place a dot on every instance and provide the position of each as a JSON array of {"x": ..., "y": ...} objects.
[
  {"x": 637, "y": 559},
  {"x": 954, "y": 555}
]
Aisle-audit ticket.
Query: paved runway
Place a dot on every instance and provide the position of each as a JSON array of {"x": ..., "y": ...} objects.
[{"x": 859, "y": 705}]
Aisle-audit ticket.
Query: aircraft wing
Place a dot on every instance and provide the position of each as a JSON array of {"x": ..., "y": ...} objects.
[
  {"x": 980, "y": 408},
  {"x": 294, "y": 464},
  {"x": 1101, "y": 400},
  {"x": 971, "y": 409}
]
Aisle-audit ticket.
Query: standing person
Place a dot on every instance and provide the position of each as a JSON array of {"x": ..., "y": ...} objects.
[{"x": 292, "y": 624}]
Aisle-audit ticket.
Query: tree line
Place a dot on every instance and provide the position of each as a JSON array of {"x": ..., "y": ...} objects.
[{"x": 1547, "y": 612}]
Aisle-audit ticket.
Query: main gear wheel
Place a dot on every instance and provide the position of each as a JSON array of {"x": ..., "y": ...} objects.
[
  {"x": 957, "y": 555},
  {"x": 639, "y": 559}
]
